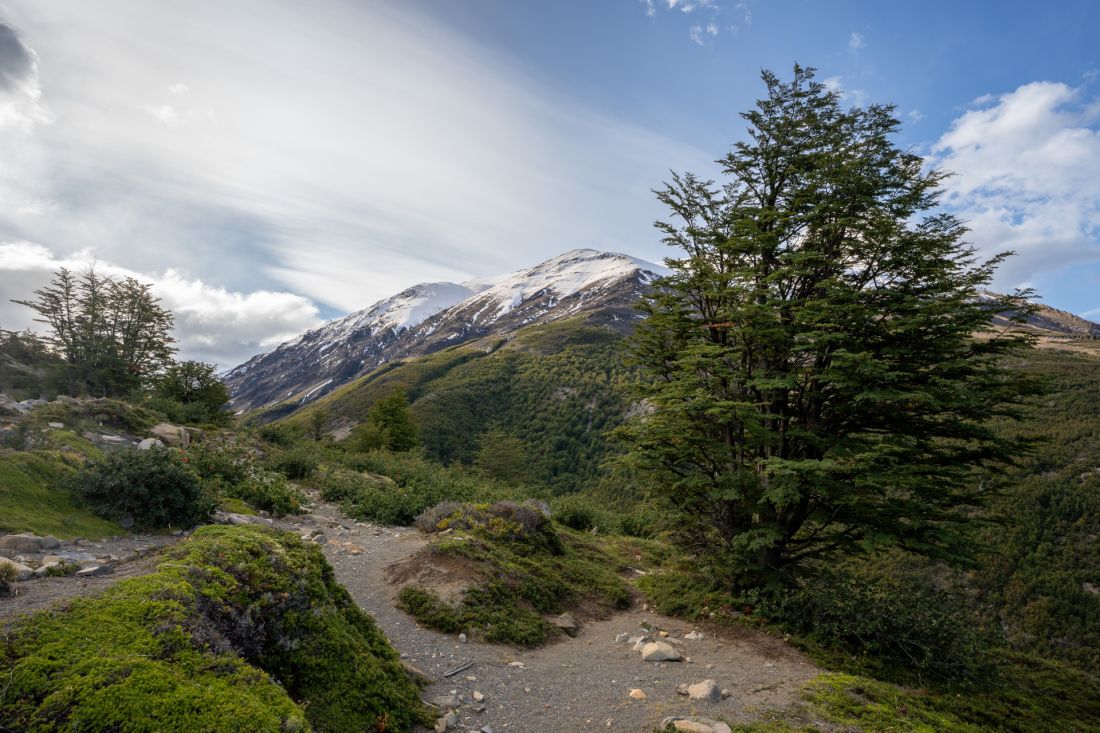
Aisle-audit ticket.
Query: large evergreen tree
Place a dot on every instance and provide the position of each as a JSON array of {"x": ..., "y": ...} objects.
[{"x": 820, "y": 362}]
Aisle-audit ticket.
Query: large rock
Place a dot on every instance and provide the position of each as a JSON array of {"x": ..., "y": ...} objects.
[
  {"x": 18, "y": 569},
  {"x": 566, "y": 623},
  {"x": 660, "y": 651},
  {"x": 26, "y": 542},
  {"x": 172, "y": 435},
  {"x": 150, "y": 443}
]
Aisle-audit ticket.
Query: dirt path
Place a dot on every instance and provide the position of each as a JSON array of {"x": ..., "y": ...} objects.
[
  {"x": 572, "y": 685},
  {"x": 575, "y": 684}
]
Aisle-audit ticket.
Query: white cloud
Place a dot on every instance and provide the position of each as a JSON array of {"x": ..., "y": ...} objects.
[
  {"x": 856, "y": 42},
  {"x": 305, "y": 157},
  {"x": 715, "y": 15},
  {"x": 212, "y": 324},
  {"x": 1025, "y": 178},
  {"x": 178, "y": 89},
  {"x": 696, "y": 34}
]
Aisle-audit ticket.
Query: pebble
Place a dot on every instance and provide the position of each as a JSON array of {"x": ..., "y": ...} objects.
[
  {"x": 636, "y": 694},
  {"x": 462, "y": 638}
]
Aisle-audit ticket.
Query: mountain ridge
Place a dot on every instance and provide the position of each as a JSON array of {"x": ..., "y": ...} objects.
[{"x": 430, "y": 316}]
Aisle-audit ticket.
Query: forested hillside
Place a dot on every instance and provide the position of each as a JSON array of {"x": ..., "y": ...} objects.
[{"x": 557, "y": 388}]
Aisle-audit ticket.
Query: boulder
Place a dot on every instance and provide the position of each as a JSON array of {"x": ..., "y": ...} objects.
[
  {"x": 707, "y": 691},
  {"x": 150, "y": 443},
  {"x": 21, "y": 571},
  {"x": 23, "y": 542},
  {"x": 94, "y": 571},
  {"x": 660, "y": 651},
  {"x": 172, "y": 435},
  {"x": 566, "y": 623}
]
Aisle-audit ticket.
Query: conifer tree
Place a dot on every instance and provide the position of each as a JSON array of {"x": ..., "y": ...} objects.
[
  {"x": 820, "y": 361},
  {"x": 391, "y": 418}
]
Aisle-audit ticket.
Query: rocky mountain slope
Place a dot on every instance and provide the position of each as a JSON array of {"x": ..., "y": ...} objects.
[{"x": 431, "y": 316}]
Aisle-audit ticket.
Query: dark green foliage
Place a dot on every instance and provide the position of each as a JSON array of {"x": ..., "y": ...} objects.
[
  {"x": 153, "y": 487},
  {"x": 391, "y": 419},
  {"x": 113, "y": 335},
  {"x": 811, "y": 359},
  {"x": 894, "y": 620},
  {"x": 298, "y": 462},
  {"x": 282, "y": 434},
  {"x": 1043, "y": 553},
  {"x": 503, "y": 457},
  {"x": 195, "y": 387},
  {"x": 7, "y": 577},
  {"x": 236, "y": 626},
  {"x": 584, "y": 513},
  {"x": 525, "y": 568}
]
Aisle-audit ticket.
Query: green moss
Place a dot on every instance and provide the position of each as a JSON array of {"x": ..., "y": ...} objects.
[
  {"x": 236, "y": 506},
  {"x": 33, "y": 498},
  {"x": 239, "y": 629}
]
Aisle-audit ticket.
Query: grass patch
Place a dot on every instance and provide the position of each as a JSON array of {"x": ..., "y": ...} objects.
[
  {"x": 524, "y": 568},
  {"x": 238, "y": 629},
  {"x": 33, "y": 498}
]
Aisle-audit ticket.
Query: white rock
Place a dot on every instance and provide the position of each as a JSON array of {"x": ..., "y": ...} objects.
[
  {"x": 707, "y": 690},
  {"x": 21, "y": 571},
  {"x": 693, "y": 635},
  {"x": 660, "y": 651},
  {"x": 150, "y": 443},
  {"x": 56, "y": 425}
]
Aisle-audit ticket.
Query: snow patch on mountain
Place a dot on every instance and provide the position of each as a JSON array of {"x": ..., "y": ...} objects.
[{"x": 563, "y": 276}]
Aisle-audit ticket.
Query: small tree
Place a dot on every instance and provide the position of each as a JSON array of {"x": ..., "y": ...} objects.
[
  {"x": 390, "y": 417},
  {"x": 503, "y": 457},
  {"x": 194, "y": 383},
  {"x": 820, "y": 360}
]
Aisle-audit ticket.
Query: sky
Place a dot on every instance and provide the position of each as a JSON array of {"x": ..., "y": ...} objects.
[{"x": 270, "y": 164}]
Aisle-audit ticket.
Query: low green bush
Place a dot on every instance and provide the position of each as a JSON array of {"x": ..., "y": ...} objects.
[
  {"x": 298, "y": 462},
  {"x": 238, "y": 629},
  {"x": 269, "y": 491},
  {"x": 525, "y": 527},
  {"x": 393, "y": 488},
  {"x": 154, "y": 488},
  {"x": 7, "y": 577},
  {"x": 584, "y": 514}
]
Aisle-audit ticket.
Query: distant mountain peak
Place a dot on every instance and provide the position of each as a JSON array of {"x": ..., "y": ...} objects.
[{"x": 429, "y": 316}]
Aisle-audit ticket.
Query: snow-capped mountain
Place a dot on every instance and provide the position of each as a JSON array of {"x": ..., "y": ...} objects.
[{"x": 430, "y": 316}]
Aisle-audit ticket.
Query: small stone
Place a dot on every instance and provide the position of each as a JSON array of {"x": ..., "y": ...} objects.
[
  {"x": 682, "y": 689},
  {"x": 478, "y": 697},
  {"x": 446, "y": 702},
  {"x": 726, "y": 692},
  {"x": 636, "y": 694},
  {"x": 462, "y": 638},
  {"x": 319, "y": 539},
  {"x": 56, "y": 425},
  {"x": 567, "y": 623},
  {"x": 486, "y": 729},
  {"x": 516, "y": 664},
  {"x": 94, "y": 571},
  {"x": 440, "y": 725},
  {"x": 659, "y": 651},
  {"x": 622, "y": 637},
  {"x": 663, "y": 634},
  {"x": 694, "y": 635},
  {"x": 641, "y": 642},
  {"x": 707, "y": 691}
]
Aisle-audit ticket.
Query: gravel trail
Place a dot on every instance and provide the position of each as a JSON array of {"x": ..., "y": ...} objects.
[{"x": 574, "y": 684}]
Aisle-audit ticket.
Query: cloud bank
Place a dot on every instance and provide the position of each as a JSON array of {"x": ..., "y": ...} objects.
[{"x": 1025, "y": 178}]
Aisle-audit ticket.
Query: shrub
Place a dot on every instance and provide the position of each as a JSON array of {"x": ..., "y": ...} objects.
[
  {"x": 269, "y": 491},
  {"x": 899, "y": 622},
  {"x": 298, "y": 462},
  {"x": 154, "y": 488},
  {"x": 584, "y": 514},
  {"x": 282, "y": 434},
  {"x": 503, "y": 521},
  {"x": 7, "y": 577},
  {"x": 393, "y": 488}
]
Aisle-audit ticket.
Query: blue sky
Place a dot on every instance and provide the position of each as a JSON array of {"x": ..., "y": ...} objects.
[{"x": 268, "y": 163}]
